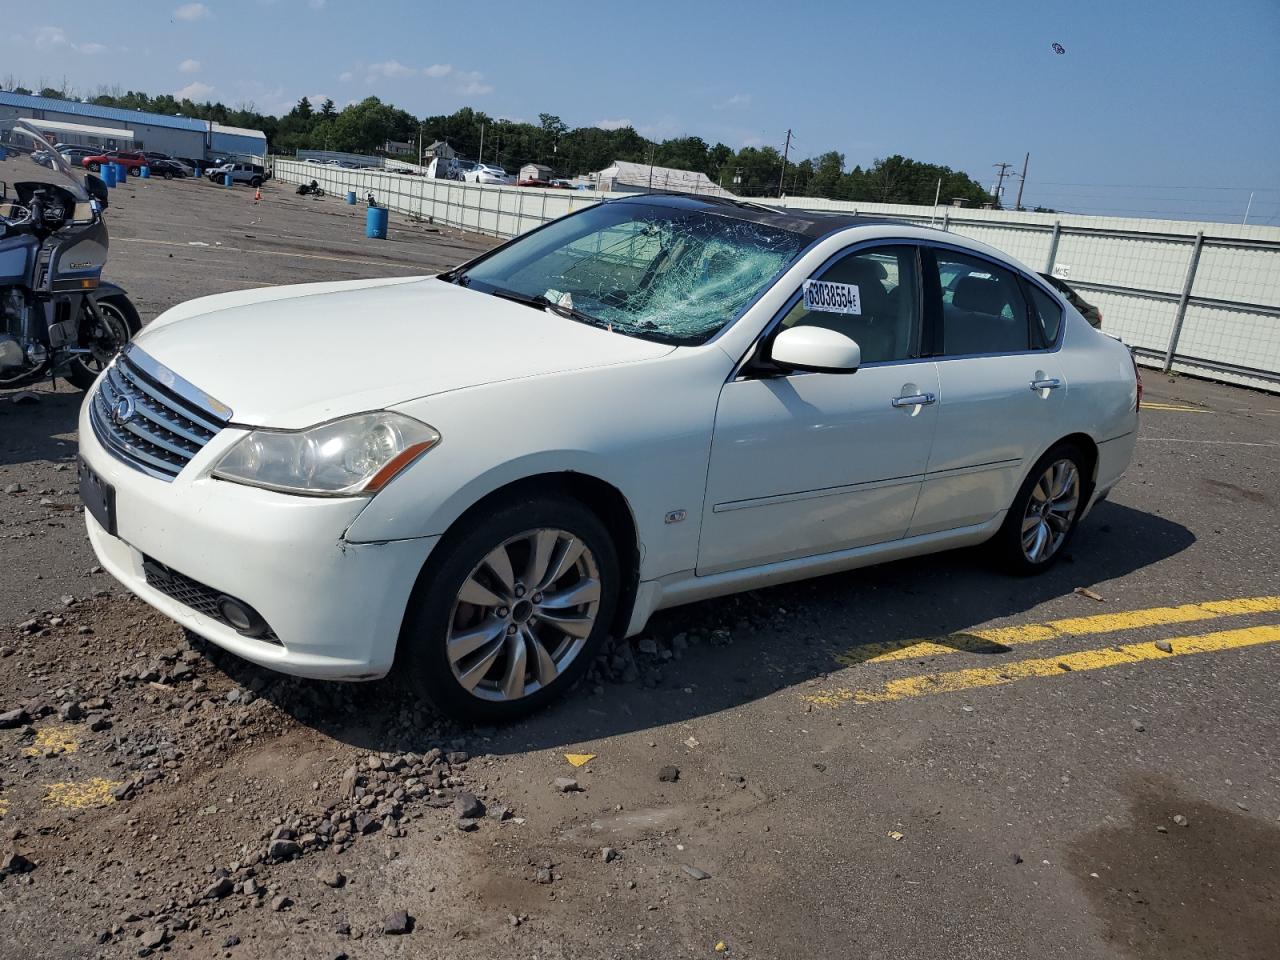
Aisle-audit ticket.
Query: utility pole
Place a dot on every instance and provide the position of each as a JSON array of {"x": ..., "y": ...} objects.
[
  {"x": 480, "y": 158},
  {"x": 785, "y": 150},
  {"x": 651, "y": 149},
  {"x": 1004, "y": 172},
  {"x": 419, "y": 144},
  {"x": 1022, "y": 181}
]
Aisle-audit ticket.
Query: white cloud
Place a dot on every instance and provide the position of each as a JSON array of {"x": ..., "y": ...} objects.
[
  {"x": 661, "y": 129},
  {"x": 438, "y": 70},
  {"x": 189, "y": 66},
  {"x": 390, "y": 69},
  {"x": 752, "y": 141},
  {"x": 191, "y": 11},
  {"x": 55, "y": 38},
  {"x": 194, "y": 91},
  {"x": 472, "y": 82},
  {"x": 736, "y": 102},
  {"x": 345, "y": 76},
  {"x": 614, "y": 124},
  {"x": 316, "y": 4},
  {"x": 49, "y": 38}
]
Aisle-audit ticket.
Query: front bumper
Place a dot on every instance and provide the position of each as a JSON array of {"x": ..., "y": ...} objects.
[{"x": 336, "y": 607}]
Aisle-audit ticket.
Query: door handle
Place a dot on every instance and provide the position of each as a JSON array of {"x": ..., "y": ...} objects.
[
  {"x": 915, "y": 400},
  {"x": 1051, "y": 383}
]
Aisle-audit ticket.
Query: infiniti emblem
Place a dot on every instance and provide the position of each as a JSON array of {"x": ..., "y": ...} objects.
[{"x": 123, "y": 411}]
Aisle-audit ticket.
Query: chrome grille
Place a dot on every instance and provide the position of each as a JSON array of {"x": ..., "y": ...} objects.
[{"x": 150, "y": 418}]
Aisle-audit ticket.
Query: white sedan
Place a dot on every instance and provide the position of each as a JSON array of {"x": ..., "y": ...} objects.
[
  {"x": 649, "y": 402},
  {"x": 485, "y": 173}
]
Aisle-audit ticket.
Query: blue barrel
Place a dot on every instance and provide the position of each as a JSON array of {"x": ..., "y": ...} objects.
[
  {"x": 145, "y": 172},
  {"x": 122, "y": 173},
  {"x": 226, "y": 180},
  {"x": 108, "y": 173},
  {"x": 351, "y": 197},
  {"x": 375, "y": 223}
]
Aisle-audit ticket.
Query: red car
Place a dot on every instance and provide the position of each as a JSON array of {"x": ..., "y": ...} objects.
[{"x": 132, "y": 160}]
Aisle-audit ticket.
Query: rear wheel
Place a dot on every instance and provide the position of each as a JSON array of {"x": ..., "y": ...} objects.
[
  {"x": 255, "y": 182},
  {"x": 511, "y": 611},
  {"x": 95, "y": 167},
  {"x": 1045, "y": 513},
  {"x": 135, "y": 171},
  {"x": 168, "y": 174}
]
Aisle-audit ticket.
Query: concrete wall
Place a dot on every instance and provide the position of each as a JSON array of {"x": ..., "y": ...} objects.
[{"x": 1135, "y": 271}]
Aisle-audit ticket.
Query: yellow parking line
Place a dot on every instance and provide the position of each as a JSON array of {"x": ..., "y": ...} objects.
[
  {"x": 1173, "y": 407},
  {"x": 994, "y": 639},
  {"x": 956, "y": 680}
]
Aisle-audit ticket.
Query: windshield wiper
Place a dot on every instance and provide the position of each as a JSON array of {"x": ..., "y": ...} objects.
[{"x": 539, "y": 302}]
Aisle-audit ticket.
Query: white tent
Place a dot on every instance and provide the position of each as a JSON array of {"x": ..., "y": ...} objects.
[{"x": 628, "y": 177}]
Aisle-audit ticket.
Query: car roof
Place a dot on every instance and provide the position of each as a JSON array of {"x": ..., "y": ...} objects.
[{"x": 809, "y": 223}]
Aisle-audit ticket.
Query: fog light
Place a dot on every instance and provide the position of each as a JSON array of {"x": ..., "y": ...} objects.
[{"x": 245, "y": 620}]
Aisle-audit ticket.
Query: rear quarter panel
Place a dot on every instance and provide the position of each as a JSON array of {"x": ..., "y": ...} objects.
[{"x": 1102, "y": 394}]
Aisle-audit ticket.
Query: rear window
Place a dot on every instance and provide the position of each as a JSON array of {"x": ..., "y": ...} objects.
[{"x": 983, "y": 309}]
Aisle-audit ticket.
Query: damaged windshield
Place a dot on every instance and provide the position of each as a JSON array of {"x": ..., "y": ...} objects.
[{"x": 645, "y": 270}]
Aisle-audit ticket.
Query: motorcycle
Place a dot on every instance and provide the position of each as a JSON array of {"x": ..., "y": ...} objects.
[
  {"x": 314, "y": 189},
  {"x": 58, "y": 317}
]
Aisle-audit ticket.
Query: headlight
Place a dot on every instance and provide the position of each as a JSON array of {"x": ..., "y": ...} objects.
[{"x": 353, "y": 456}]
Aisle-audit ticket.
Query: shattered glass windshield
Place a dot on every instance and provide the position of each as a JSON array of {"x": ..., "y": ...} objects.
[{"x": 645, "y": 270}]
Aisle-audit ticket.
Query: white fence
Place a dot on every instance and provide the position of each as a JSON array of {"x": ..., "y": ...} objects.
[{"x": 1201, "y": 298}]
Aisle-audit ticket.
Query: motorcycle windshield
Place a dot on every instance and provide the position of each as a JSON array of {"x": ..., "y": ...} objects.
[{"x": 29, "y": 162}]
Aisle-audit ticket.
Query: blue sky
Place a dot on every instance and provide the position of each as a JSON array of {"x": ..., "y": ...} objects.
[{"x": 1166, "y": 108}]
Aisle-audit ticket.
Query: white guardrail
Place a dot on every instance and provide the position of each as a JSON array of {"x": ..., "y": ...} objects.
[{"x": 1194, "y": 297}]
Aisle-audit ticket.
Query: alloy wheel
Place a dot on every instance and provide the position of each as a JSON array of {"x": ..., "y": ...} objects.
[
  {"x": 523, "y": 614},
  {"x": 1051, "y": 509}
]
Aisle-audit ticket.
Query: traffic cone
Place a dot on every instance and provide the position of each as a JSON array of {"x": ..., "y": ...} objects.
[{"x": 257, "y": 194}]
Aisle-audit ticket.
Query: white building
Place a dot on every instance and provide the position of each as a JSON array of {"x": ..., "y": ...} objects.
[{"x": 184, "y": 137}]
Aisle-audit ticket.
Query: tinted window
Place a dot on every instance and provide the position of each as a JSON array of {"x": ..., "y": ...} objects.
[
  {"x": 872, "y": 298},
  {"x": 1047, "y": 319},
  {"x": 983, "y": 310}
]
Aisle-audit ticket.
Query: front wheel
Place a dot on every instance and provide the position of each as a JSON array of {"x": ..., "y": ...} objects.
[
  {"x": 511, "y": 611},
  {"x": 135, "y": 171},
  {"x": 255, "y": 182},
  {"x": 94, "y": 167},
  {"x": 117, "y": 323},
  {"x": 1045, "y": 513},
  {"x": 168, "y": 174}
]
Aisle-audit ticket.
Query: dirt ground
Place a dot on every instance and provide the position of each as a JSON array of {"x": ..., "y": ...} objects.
[{"x": 924, "y": 759}]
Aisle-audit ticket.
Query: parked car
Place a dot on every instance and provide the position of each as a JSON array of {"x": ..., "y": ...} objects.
[
  {"x": 75, "y": 155},
  {"x": 251, "y": 173},
  {"x": 648, "y": 402},
  {"x": 485, "y": 173},
  {"x": 131, "y": 160},
  {"x": 1087, "y": 309},
  {"x": 170, "y": 169}
]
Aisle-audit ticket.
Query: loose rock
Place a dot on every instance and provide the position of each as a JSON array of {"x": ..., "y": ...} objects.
[
  {"x": 694, "y": 872},
  {"x": 397, "y": 923},
  {"x": 567, "y": 785},
  {"x": 669, "y": 774}
]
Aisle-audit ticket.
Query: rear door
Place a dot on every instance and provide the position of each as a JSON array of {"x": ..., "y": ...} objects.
[{"x": 1001, "y": 386}]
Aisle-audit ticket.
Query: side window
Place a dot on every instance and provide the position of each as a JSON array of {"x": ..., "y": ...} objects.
[
  {"x": 983, "y": 310},
  {"x": 871, "y": 297},
  {"x": 1047, "y": 319}
]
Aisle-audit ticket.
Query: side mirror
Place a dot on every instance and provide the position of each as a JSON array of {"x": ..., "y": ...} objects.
[
  {"x": 97, "y": 189},
  {"x": 816, "y": 349}
]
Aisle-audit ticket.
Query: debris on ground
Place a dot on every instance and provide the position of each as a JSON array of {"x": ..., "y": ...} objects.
[{"x": 1086, "y": 592}]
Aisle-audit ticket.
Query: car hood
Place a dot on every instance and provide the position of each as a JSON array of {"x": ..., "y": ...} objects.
[{"x": 290, "y": 357}]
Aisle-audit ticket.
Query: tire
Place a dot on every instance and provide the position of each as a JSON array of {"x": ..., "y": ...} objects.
[
  {"x": 122, "y": 318},
  {"x": 95, "y": 167},
  {"x": 255, "y": 182},
  {"x": 135, "y": 171},
  {"x": 518, "y": 636},
  {"x": 168, "y": 174},
  {"x": 1045, "y": 512}
]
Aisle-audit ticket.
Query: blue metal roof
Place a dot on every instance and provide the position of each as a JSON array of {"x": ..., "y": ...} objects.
[{"x": 76, "y": 108}]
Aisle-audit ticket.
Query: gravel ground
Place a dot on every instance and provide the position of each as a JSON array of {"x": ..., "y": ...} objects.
[{"x": 853, "y": 766}]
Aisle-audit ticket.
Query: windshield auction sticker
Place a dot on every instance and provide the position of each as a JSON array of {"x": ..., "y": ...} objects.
[{"x": 832, "y": 297}]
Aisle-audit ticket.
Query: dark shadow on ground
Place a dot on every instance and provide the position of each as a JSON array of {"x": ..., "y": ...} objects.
[
  {"x": 36, "y": 432},
  {"x": 752, "y": 645}
]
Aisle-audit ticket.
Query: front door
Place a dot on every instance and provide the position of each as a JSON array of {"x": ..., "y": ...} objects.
[{"x": 810, "y": 463}]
